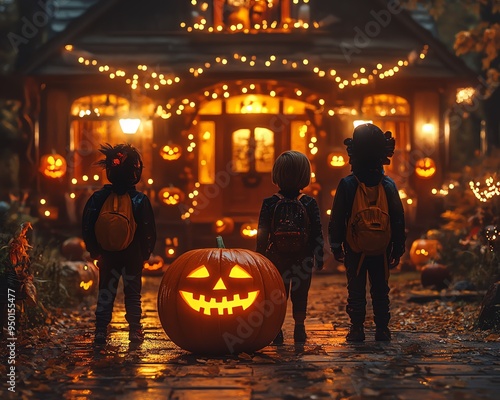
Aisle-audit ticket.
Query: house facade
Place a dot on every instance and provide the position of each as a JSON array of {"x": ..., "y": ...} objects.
[{"x": 211, "y": 92}]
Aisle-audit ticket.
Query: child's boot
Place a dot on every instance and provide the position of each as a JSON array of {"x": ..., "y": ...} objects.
[
  {"x": 100, "y": 335},
  {"x": 299, "y": 333},
  {"x": 383, "y": 334},
  {"x": 356, "y": 333},
  {"x": 136, "y": 334},
  {"x": 279, "y": 338}
]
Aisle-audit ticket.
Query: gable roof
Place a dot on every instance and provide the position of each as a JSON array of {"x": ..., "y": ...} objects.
[{"x": 112, "y": 30}]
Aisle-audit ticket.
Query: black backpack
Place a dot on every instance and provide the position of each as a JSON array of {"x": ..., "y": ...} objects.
[{"x": 289, "y": 226}]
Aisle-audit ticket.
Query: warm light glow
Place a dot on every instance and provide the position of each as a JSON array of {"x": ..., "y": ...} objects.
[
  {"x": 220, "y": 306},
  {"x": 336, "y": 160},
  {"x": 486, "y": 191},
  {"x": 249, "y": 230},
  {"x": 171, "y": 152},
  {"x": 428, "y": 129},
  {"x": 86, "y": 285},
  {"x": 238, "y": 272},
  {"x": 200, "y": 272},
  {"x": 358, "y": 122},
  {"x": 130, "y": 125},
  {"x": 425, "y": 167}
]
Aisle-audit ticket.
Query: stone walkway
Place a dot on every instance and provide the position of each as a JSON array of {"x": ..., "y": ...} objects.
[{"x": 415, "y": 365}]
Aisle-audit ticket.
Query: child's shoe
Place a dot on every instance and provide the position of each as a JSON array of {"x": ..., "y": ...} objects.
[
  {"x": 356, "y": 334},
  {"x": 383, "y": 334},
  {"x": 136, "y": 335},
  {"x": 299, "y": 334},
  {"x": 100, "y": 336},
  {"x": 279, "y": 338}
]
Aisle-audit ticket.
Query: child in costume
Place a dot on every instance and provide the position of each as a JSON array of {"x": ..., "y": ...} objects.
[
  {"x": 292, "y": 173},
  {"x": 123, "y": 166},
  {"x": 369, "y": 150}
]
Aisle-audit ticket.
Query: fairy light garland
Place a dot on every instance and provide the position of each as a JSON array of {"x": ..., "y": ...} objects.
[
  {"x": 482, "y": 193},
  {"x": 153, "y": 80},
  {"x": 192, "y": 196}
]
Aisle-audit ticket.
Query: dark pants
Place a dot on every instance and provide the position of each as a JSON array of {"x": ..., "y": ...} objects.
[
  {"x": 110, "y": 271},
  {"x": 356, "y": 287},
  {"x": 296, "y": 274}
]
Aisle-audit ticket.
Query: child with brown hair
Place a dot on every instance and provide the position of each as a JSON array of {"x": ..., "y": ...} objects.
[
  {"x": 290, "y": 234},
  {"x": 119, "y": 254},
  {"x": 383, "y": 218}
]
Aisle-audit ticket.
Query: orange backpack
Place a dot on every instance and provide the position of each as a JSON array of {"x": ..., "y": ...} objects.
[
  {"x": 115, "y": 226},
  {"x": 369, "y": 226}
]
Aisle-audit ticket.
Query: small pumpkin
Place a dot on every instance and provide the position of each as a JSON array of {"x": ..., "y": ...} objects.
[
  {"x": 73, "y": 249},
  {"x": 221, "y": 301},
  {"x": 171, "y": 196},
  {"x": 424, "y": 250},
  {"x": 436, "y": 275},
  {"x": 80, "y": 278},
  {"x": 223, "y": 225},
  {"x": 336, "y": 159},
  {"x": 154, "y": 265},
  {"x": 171, "y": 152},
  {"x": 53, "y": 166},
  {"x": 425, "y": 167},
  {"x": 249, "y": 230}
]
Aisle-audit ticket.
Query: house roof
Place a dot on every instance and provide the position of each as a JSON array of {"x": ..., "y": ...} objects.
[{"x": 121, "y": 34}]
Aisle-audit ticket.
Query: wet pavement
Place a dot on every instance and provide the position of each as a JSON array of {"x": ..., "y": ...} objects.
[{"x": 418, "y": 364}]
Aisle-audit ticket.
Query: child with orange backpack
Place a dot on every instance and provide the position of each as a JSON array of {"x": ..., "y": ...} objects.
[
  {"x": 367, "y": 228},
  {"x": 119, "y": 231}
]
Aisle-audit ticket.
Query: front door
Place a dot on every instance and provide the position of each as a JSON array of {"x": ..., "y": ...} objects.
[{"x": 250, "y": 148}]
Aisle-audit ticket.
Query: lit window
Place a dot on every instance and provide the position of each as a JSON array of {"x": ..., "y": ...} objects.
[{"x": 253, "y": 150}]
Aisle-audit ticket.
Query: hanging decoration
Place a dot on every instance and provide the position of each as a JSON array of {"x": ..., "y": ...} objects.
[
  {"x": 425, "y": 167},
  {"x": 171, "y": 196},
  {"x": 53, "y": 166},
  {"x": 171, "y": 152},
  {"x": 487, "y": 190}
]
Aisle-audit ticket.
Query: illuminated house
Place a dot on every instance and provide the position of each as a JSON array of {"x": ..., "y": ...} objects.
[{"x": 217, "y": 89}]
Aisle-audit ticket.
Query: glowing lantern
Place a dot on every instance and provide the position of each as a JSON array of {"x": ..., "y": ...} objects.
[
  {"x": 425, "y": 167},
  {"x": 73, "y": 249},
  {"x": 423, "y": 251},
  {"x": 80, "y": 278},
  {"x": 171, "y": 246},
  {"x": 171, "y": 152},
  {"x": 171, "y": 196},
  {"x": 436, "y": 275},
  {"x": 53, "y": 166},
  {"x": 221, "y": 301},
  {"x": 249, "y": 230},
  {"x": 336, "y": 160},
  {"x": 223, "y": 225},
  {"x": 154, "y": 265}
]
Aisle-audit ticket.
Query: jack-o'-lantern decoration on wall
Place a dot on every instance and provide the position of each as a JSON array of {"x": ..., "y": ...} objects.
[
  {"x": 171, "y": 247},
  {"x": 171, "y": 152},
  {"x": 336, "y": 159},
  {"x": 221, "y": 301},
  {"x": 154, "y": 265},
  {"x": 423, "y": 251},
  {"x": 249, "y": 230},
  {"x": 53, "y": 166},
  {"x": 425, "y": 167},
  {"x": 171, "y": 196},
  {"x": 223, "y": 225}
]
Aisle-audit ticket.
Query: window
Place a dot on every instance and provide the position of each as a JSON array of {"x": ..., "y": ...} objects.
[
  {"x": 253, "y": 150},
  {"x": 206, "y": 152}
]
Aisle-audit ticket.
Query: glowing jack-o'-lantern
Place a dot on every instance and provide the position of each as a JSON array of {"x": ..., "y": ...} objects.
[
  {"x": 171, "y": 247},
  {"x": 425, "y": 167},
  {"x": 424, "y": 250},
  {"x": 79, "y": 278},
  {"x": 171, "y": 196},
  {"x": 249, "y": 230},
  {"x": 154, "y": 265},
  {"x": 221, "y": 301},
  {"x": 336, "y": 160},
  {"x": 223, "y": 225},
  {"x": 53, "y": 166},
  {"x": 171, "y": 152}
]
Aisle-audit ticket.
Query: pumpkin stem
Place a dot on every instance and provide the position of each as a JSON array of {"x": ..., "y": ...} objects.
[{"x": 220, "y": 242}]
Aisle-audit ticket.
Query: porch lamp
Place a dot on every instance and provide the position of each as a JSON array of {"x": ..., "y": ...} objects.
[{"x": 130, "y": 125}]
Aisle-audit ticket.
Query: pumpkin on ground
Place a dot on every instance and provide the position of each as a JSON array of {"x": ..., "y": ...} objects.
[
  {"x": 423, "y": 251},
  {"x": 436, "y": 275},
  {"x": 221, "y": 301},
  {"x": 154, "y": 266},
  {"x": 73, "y": 249}
]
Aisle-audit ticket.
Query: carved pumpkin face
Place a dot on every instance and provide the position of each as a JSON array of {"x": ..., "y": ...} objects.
[
  {"x": 53, "y": 166},
  {"x": 220, "y": 301},
  {"x": 249, "y": 230},
  {"x": 223, "y": 225},
  {"x": 171, "y": 196},
  {"x": 154, "y": 265},
  {"x": 80, "y": 278},
  {"x": 336, "y": 160},
  {"x": 424, "y": 250},
  {"x": 171, "y": 152},
  {"x": 425, "y": 167}
]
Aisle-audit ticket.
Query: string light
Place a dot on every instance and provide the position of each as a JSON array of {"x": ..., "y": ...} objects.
[{"x": 483, "y": 193}]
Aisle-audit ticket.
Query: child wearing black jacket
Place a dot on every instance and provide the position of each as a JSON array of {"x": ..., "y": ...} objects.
[
  {"x": 123, "y": 166},
  {"x": 369, "y": 150},
  {"x": 292, "y": 173}
]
